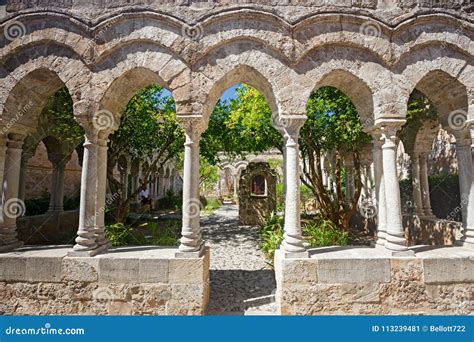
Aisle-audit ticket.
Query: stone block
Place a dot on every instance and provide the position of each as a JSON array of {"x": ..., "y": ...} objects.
[
  {"x": 119, "y": 270},
  {"x": 448, "y": 270},
  {"x": 335, "y": 271},
  {"x": 43, "y": 269},
  {"x": 153, "y": 270},
  {"x": 80, "y": 269},
  {"x": 187, "y": 299},
  {"x": 12, "y": 268},
  {"x": 299, "y": 271},
  {"x": 189, "y": 271}
]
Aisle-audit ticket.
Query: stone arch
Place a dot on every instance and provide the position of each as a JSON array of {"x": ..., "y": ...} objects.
[
  {"x": 331, "y": 65},
  {"x": 354, "y": 88},
  {"x": 242, "y": 62},
  {"x": 31, "y": 77}
]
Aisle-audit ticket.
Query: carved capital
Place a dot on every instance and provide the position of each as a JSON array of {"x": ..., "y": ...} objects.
[
  {"x": 290, "y": 126},
  {"x": 194, "y": 126}
]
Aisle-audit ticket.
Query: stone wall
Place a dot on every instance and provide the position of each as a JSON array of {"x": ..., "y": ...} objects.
[
  {"x": 132, "y": 281},
  {"x": 38, "y": 176},
  {"x": 367, "y": 281},
  {"x": 421, "y": 230}
]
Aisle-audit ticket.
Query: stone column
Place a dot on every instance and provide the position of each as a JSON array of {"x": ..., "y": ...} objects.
[
  {"x": 12, "y": 206},
  {"x": 292, "y": 244},
  {"x": 464, "y": 158},
  {"x": 467, "y": 239},
  {"x": 23, "y": 174},
  {"x": 101, "y": 191},
  {"x": 395, "y": 238},
  {"x": 379, "y": 190},
  {"x": 417, "y": 197},
  {"x": 425, "y": 187},
  {"x": 191, "y": 243},
  {"x": 58, "y": 162},
  {"x": 236, "y": 196},
  {"x": 86, "y": 244},
  {"x": 349, "y": 166}
]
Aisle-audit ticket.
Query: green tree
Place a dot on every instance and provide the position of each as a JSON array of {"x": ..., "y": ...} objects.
[
  {"x": 333, "y": 126},
  {"x": 148, "y": 131}
]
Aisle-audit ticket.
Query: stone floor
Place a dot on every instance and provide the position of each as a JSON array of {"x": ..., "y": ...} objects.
[{"x": 242, "y": 282}]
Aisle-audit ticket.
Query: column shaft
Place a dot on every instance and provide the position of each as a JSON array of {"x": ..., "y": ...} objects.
[
  {"x": 463, "y": 154},
  {"x": 12, "y": 206},
  {"x": 292, "y": 244},
  {"x": 417, "y": 196},
  {"x": 380, "y": 193},
  {"x": 395, "y": 235},
  {"x": 101, "y": 191},
  {"x": 425, "y": 187}
]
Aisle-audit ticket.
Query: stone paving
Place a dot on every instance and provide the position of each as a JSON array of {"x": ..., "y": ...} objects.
[{"x": 242, "y": 282}]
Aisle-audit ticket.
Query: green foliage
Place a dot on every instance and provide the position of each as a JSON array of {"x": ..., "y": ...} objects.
[
  {"x": 280, "y": 197},
  {"x": 154, "y": 233},
  {"x": 148, "y": 125},
  {"x": 271, "y": 235},
  {"x": 169, "y": 201},
  {"x": 305, "y": 194},
  {"x": 333, "y": 122},
  {"x": 59, "y": 117},
  {"x": 207, "y": 174},
  {"x": 240, "y": 127},
  {"x": 323, "y": 232},
  {"x": 212, "y": 203}
]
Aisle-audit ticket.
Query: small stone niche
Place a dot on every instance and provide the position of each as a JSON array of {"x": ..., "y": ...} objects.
[{"x": 257, "y": 193}]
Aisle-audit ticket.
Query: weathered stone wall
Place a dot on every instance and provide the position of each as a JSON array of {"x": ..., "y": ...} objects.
[
  {"x": 366, "y": 281},
  {"x": 38, "y": 175},
  {"x": 420, "y": 230},
  {"x": 132, "y": 282}
]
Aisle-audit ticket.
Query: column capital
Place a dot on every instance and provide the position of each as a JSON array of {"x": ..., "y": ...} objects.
[
  {"x": 194, "y": 126},
  {"x": 388, "y": 132},
  {"x": 15, "y": 140}
]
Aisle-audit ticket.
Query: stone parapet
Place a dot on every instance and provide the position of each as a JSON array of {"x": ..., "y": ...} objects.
[
  {"x": 131, "y": 281},
  {"x": 369, "y": 281}
]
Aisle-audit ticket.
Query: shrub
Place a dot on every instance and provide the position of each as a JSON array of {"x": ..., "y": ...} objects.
[
  {"x": 118, "y": 234},
  {"x": 169, "y": 201},
  {"x": 212, "y": 204},
  {"x": 323, "y": 232},
  {"x": 280, "y": 197},
  {"x": 271, "y": 235}
]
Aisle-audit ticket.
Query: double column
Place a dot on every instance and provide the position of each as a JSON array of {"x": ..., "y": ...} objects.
[
  {"x": 394, "y": 237},
  {"x": 191, "y": 244},
  {"x": 59, "y": 162},
  {"x": 12, "y": 207},
  {"x": 421, "y": 187},
  {"x": 379, "y": 189},
  {"x": 466, "y": 182},
  {"x": 292, "y": 245},
  {"x": 91, "y": 238}
]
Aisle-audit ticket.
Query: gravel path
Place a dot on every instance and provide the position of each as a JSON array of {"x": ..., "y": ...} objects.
[{"x": 242, "y": 282}]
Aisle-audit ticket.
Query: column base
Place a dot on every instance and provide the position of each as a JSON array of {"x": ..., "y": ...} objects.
[
  {"x": 89, "y": 253},
  {"x": 191, "y": 255},
  {"x": 11, "y": 247},
  {"x": 295, "y": 255},
  {"x": 406, "y": 253}
]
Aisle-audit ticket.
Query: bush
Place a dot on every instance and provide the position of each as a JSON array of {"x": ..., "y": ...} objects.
[
  {"x": 155, "y": 233},
  {"x": 271, "y": 235},
  {"x": 212, "y": 203},
  {"x": 280, "y": 197},
  {"x": 323, "y": 232},
  {"x": 169, "y": 201}
]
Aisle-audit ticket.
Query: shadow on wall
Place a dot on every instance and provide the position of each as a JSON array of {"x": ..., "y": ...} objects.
[{"x": 49, "y": 228}]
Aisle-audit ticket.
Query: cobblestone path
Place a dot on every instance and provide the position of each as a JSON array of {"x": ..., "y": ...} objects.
[{"x": 242, "y": 282}]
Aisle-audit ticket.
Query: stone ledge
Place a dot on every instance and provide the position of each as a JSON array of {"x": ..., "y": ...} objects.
[
  {"x": 145, "y": 280},
  {"x": 363, "y": 280}
]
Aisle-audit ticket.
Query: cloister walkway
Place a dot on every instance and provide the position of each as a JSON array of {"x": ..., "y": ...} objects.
[{"x": 242, "y": 282}]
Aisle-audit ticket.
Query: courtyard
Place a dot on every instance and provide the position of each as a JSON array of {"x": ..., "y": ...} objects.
[{"x": 216, "y": 158}]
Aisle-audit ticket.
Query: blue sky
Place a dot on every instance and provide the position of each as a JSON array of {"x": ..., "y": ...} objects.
[{"x": 226, "y": 96}]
